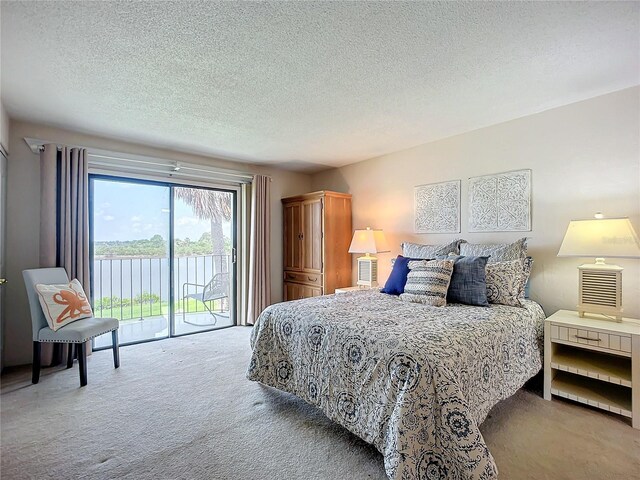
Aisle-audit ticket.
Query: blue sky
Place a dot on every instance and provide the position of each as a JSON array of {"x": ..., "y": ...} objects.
[{"x": 132, "y": 211}]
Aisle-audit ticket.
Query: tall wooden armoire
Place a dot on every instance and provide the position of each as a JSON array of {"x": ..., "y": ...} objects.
[{"x": 317, "y": 235}]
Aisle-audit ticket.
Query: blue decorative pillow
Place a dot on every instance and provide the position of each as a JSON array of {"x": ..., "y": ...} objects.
[
  {"x": 398, "y": 277},
  {"x": 468, "y": 282}
]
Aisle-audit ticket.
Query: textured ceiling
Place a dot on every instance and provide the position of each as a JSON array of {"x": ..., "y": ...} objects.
[{"x": 307, "y": 84}]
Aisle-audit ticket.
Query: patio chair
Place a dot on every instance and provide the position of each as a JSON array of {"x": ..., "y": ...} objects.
[
  {"x": 216, "y": 289},
  {"x": 76, "y": 333}
]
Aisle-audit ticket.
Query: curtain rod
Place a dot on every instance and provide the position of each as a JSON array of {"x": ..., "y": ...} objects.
[
  {"x": 38, "y": 146},
  {"x": 176, "y": 166}
]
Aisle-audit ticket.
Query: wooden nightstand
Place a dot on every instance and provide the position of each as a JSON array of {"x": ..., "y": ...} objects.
[{"x": 593, "y": 361}]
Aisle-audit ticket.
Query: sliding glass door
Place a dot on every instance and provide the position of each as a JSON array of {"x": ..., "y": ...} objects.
[
  {"x": 163, "y": 258},
  {"x": 203, "y": 248}
]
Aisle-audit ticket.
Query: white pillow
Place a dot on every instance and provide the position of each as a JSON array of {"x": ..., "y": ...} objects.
[
  {"x": 497, "y": 252},
  {"x": 63, "y": 304},
  {"x": 506, "y": 281},
  {"x": 418, "y": 250}
]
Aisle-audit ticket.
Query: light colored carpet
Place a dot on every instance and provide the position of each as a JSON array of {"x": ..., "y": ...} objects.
[{"x": 182, "y": 409}]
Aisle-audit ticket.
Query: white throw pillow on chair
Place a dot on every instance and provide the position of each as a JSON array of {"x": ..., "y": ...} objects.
[{"x": 63, "y": 304}]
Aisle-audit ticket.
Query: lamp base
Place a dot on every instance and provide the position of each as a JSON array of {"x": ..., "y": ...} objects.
[{"x": 616, "y": 314}]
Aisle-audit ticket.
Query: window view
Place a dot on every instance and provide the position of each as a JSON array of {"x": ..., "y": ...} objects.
[{"x": 135, "y": 257}]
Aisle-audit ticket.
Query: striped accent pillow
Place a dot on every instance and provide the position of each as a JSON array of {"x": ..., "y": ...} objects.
[{"x": 428, "y": 282}]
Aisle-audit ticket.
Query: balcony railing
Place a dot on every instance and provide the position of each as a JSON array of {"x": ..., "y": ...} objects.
[{"x": 134, "y": 288}]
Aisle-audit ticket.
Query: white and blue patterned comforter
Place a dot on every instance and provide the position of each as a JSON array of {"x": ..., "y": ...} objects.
[{"x": 415, "y": 381}]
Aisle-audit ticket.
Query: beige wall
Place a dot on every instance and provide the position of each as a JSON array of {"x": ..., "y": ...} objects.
[
  {"x": 585, "y": 158},
  {"x": 4, "y": 128},
  {"x": 23, "y": 213}
]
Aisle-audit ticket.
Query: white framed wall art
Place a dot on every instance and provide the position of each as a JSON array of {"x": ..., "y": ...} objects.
[
  {"x": 500, "y": 202},
  {"x": 437, "y": 207}
]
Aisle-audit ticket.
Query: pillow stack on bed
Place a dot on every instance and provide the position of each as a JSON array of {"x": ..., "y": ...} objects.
[{"x": 472, "y": 274}]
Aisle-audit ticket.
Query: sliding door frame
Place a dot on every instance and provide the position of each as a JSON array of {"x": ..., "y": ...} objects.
[{"x": 235, "y": 229}]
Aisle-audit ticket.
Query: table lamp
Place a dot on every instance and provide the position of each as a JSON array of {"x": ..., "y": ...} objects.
[
  {"x": 368, "y": 241},
  {"x": 600, "y": 284}
]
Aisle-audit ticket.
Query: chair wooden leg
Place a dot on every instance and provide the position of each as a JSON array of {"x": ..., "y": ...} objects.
[
  {"x": 70, "y": 355},
  {"x": 82, "y": 362},
  {"x": 116, "y": 348},
  {"x": 35, "y": 373}
]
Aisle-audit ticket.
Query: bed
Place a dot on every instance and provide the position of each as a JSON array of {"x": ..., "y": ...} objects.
[{"x": 413, "y": 380}]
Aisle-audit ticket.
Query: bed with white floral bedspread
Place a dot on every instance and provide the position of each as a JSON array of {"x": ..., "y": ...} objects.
[{"x": 413, "y": 380}]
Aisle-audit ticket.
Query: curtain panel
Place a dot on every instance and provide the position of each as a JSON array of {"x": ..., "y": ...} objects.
[
  {"x": 259, "y": 248},
  {"x": 64, "y": 219}
]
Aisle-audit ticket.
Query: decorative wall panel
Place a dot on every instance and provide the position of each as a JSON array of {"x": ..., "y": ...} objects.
[
  {"x": 437, "y": 207},
  {"x": 500, "y": 202}
]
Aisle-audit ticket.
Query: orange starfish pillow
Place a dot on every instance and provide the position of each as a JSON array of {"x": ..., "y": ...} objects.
[{"x": 63, "y": 304}]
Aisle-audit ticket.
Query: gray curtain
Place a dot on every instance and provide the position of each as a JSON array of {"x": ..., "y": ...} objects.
[
  {"x": 259, "y": 248},
  {"x": 64, "y": 218}
]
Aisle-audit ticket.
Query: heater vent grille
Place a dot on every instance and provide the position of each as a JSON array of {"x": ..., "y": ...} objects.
[
  {"x": 364, "y": 271},
  {"x": 367, "y": 271},
  {"x": 601, "y": 288}
]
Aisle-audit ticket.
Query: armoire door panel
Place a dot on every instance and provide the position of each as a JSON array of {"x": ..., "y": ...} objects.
[
  {"x": 292, "y": 291},
  {"x": 308, "y": 292},
  {"x": 312, "y": 235},
  {"x": 293, "y": 236},
  {"x": 295, "y": 291},
  {"x": 337, "y": 238}
]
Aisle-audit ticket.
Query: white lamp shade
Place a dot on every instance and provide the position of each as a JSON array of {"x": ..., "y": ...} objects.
[
  {"x": 608, "y": 237},
  {"x": 368, "y": 241}
]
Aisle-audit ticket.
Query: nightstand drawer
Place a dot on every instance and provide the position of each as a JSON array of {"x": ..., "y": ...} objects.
[{"x": 609, "y": 342}]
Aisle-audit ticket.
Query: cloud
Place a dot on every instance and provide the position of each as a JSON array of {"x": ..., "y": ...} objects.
[
  {"x": 136, "y": 218},
  {"x": 108, "y": 218}
]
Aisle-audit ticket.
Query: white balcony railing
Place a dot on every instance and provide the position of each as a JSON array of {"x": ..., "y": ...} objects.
[{"x": 134, "y": 288}]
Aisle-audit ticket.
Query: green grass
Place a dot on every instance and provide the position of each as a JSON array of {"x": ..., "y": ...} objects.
[{"x": 136, "y": 311}]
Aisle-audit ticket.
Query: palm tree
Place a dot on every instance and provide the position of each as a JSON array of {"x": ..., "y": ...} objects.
[{"x": 209, "y": 205}]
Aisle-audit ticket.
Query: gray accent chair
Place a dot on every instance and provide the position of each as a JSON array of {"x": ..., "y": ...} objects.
[{"x": 74, "y": 334}]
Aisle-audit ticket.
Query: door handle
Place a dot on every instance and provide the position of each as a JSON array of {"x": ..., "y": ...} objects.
[
  {"x": 234, "y": 255},
  {"x": 3, "y": 281}
]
